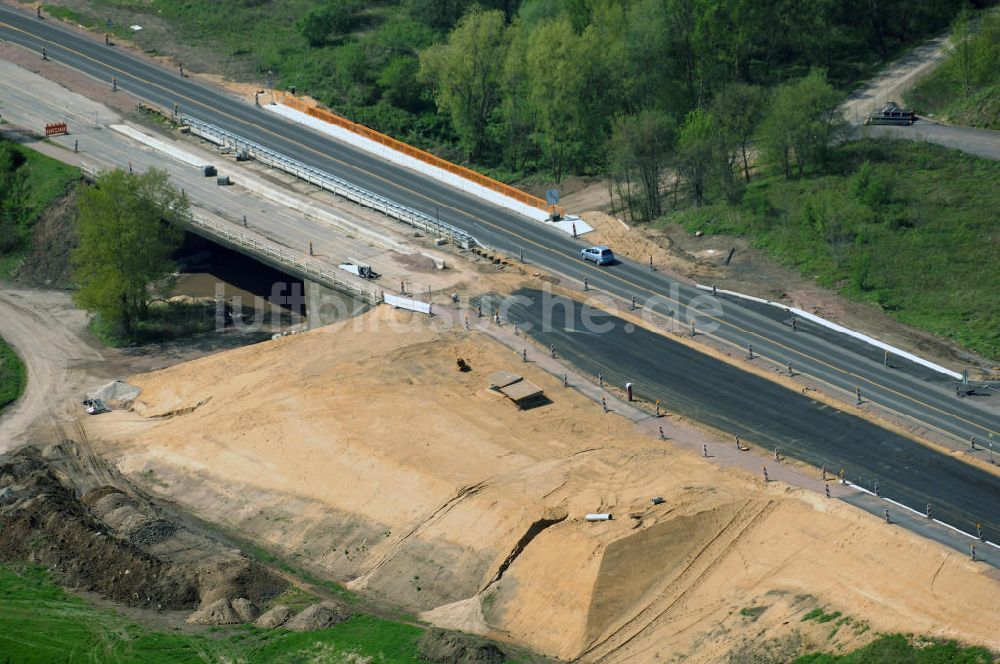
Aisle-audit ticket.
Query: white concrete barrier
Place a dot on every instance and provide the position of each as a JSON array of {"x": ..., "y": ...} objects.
[
  {"x": 412, "y": 163},
  {"x": 843, "y": 330}
]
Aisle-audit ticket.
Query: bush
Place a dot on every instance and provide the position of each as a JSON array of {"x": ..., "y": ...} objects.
[
  {"x": 899, "y": 649},
  {"x": 13, "y": 377}
]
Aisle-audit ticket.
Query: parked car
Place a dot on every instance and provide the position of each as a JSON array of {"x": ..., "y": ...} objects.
[{"x": 599, "y": 254}]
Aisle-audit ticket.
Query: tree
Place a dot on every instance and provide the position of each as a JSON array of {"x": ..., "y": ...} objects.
[
  {"x": 332, "y": 16},
  {"x": 518, "y": 118},
  {"x": 399, "y": 83},
  {"x": 642, "y": 144},
  {"x": 438, "y": 14},
  {"x": 801, "y": 121},
  {"x": 696, "y": 151},
  {"x": 572, "y": 91},
  {"x": 737, "y": 110},
  {"x": 127, "y": 239},
  {"x": 466, "y": 74}
]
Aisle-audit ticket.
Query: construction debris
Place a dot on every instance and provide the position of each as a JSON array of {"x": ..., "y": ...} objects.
[
  {"x": 360, "y": 269},
  {"x": 95, "y": 406},
  {"x": 116, "y": 394},
  {"x": 523, "y": 393}
]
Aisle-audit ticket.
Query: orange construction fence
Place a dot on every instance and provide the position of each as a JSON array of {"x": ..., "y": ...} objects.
[
  {"x": 416, "y": 153},
  {"x": 56, "y": 128}
]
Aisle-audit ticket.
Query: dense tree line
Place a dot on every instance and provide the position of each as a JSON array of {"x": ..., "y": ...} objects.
[
  {"x": 595, "y": 86},
  {"x": 628, "y": 86}
]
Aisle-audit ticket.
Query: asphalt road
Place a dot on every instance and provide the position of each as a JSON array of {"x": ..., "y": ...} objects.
[
  {"x": 980, "y": 142},
  {"x": 760, "y": 411},
  {"x": 929, "y": 399}
]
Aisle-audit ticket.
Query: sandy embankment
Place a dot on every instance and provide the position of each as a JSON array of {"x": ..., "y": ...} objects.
[{"x": 361, "y": 450}]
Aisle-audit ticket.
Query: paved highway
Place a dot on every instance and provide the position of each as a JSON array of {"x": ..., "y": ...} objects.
[
  {"x": 929, "y": 398},
  {"x": 759, "y": 410}
]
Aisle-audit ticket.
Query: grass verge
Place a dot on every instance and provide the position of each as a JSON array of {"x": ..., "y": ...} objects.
[
  {"x": 909, "y": 227},
  {"x": 13, "y": 377},
  {"x": 42, "y": 623},
  {"x": 900, "y": 649},
  {"x": 44, "y": 180},
  {"x": 965, "y": 88},
  {"x": 48, "y": 178}
]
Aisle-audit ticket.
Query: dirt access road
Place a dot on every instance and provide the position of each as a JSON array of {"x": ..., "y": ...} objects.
[
  {"x": 64, "y": 362},
  {"x": 51, "y": 338}
]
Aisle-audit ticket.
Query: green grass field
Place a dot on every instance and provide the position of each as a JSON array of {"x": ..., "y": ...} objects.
[
  {"x": 40, "y": 623},
  {"x": 898, "y": 649},
  {"x": 910, "y": 227},
  {"x": 49, "y": 179},
  {"x": 12, "y": 375}
]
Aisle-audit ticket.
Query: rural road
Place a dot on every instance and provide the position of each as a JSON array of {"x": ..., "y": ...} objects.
[
  {"x": 980, "y": 142},
  {"x": 893, "y": 82},
  {"x": 47, "y": 332}
]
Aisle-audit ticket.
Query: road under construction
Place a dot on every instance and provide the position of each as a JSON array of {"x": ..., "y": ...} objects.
[{"x": 962, "y": 494}]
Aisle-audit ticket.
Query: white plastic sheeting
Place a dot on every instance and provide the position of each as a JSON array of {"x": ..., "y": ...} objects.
[{"x": 408, "y": 303}]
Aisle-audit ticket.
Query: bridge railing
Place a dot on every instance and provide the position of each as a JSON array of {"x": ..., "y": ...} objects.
[{"x": 331, "y": 183}]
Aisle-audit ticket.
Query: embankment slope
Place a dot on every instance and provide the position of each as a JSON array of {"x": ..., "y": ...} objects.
[{"x": 362, "y": 452}]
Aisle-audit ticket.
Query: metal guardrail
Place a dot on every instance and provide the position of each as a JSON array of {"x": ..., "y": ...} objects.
[
  {"x": 331, "y": 278},
  {"x": 331, "y": 183}
]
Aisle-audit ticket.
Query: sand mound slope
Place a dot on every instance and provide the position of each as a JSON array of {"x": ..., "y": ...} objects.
[{"x": 362, "y": 449}]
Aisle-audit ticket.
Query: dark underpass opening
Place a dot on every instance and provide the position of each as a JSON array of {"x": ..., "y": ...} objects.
[{"x": 253, "y": 294}]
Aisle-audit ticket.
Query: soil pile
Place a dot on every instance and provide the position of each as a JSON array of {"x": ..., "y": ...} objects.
[
  {"x": 245, "y": 609},
  {"x": 318, "y": 616},
  {"x": 443, "y": 647},
  {"x": 219, "y": 612},
  {"x": 276, "y": 616},
  {"x": 44, "y": 524},
  {"x": 121, "y": 546},
  {"x": 117, "y": 394}
]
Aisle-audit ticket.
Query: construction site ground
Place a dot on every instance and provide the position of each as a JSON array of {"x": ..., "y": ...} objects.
[
  {"x": 362, "y": 449},
  {"x": 361, "y": 452}
]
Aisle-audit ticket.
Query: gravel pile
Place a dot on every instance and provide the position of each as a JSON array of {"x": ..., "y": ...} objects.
[{"x": 117, "y": 393}]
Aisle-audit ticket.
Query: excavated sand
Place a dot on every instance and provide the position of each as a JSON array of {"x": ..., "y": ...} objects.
[
  {"x": 361, "y": 448},
  {"x": 275, "y": 617}
]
